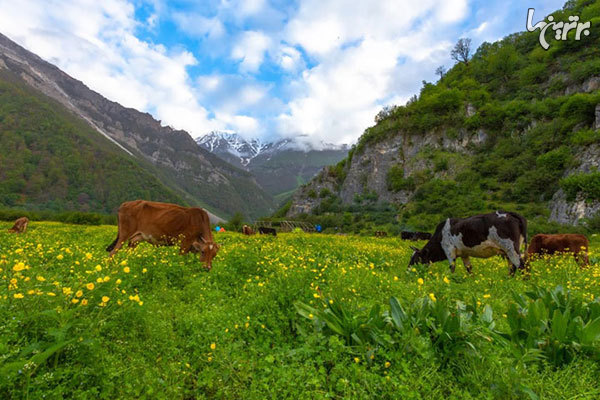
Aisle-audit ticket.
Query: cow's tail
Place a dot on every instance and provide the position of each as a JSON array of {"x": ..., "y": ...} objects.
[{"x": 113, "y": 244}]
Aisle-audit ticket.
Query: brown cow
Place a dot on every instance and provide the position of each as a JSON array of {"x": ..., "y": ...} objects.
[
  {"x": 164, "y": 224},
  {"x": 20, "y": 225},
  {"x": 246, "y": 230},
  {"x": 563, "y": 243}
]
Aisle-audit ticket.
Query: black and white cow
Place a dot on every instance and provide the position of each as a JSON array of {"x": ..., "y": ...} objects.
[{"x": 482, "y": 236}]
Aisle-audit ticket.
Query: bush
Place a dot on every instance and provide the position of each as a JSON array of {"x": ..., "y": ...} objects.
[
  {"x": 586, "y": 184},
  {"x": 585, "y": 137},
  {"x": 396, "y": 180}
]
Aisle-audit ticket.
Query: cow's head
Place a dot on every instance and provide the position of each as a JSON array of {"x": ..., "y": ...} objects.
[
  {"x": 208, "y": 251},
  {"x": 419, "y": 256}
]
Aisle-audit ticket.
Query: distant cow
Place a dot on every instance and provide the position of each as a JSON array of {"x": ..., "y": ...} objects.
[
  {"x": 20, "y": 225},
  {"x": 565, "y": 243},
  {"x": 380, "y": 234},
  {"x": 246, "y": 230},
  {"x": 164, "y": 224},
  {"x": 405, "y": 235},
  {"x": 267, "y": 231},
  {"x": 480, "y": 236}
]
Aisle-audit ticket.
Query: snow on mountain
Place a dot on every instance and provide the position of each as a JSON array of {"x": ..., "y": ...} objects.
[{"x": 232, "y": 144}]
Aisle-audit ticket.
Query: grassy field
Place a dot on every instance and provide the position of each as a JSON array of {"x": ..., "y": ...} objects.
[{"x": 297, "y": 316}]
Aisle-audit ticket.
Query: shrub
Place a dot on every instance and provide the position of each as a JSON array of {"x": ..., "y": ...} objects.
[
  {"x": 586, "y": 184},
  {"x": 585, "y": 137},
  {"x": 396, "y": 180}
]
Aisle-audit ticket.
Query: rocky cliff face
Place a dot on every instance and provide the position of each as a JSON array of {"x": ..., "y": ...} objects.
[
  {"x": 572, "y": 212},
  {"x": 368, "y": 169},
  {"x": 195, "y": 172}
]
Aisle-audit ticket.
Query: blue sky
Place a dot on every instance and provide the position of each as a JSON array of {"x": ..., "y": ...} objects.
[{"x": 312, "y": 69}]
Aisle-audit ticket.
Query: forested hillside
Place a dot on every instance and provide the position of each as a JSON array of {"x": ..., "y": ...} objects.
[
  {"x": 514, "y": 127},
  {"x": 51, "y": 160}
]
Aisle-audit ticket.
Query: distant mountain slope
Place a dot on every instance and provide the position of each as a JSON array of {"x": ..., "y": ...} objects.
[
  {"x": 196, "y": 175},
  {"x": 50, "y": 159},
  {"x": 279, "y": 166},
  {"x": 517, "y": 127}
]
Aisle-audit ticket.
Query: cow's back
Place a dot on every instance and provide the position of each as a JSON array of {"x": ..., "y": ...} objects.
[
  {"x": 164, "y": 219},
  {"x": 544, "y": 243}
]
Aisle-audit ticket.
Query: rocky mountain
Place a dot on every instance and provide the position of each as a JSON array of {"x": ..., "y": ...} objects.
[
  {"x": 516, "y": 127},
  {"x": 279, "y": 166},
  {"x": 194, "y": 174}
]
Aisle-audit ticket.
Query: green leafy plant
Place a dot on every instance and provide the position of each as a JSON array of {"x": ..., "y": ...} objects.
[{"x": 555, "y": 323}]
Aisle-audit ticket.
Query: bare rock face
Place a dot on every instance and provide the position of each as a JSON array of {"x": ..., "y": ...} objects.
[
  {"x": 565, "y": 212},
  {"x": 597, "y": 122},
  {"x": 571, "y": 213},
  {"x": 369, "y": 168},
  {"x": 308, "y": 197}
]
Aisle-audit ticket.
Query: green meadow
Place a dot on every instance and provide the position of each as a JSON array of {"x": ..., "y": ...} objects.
[{"x": 298, "y": 316}]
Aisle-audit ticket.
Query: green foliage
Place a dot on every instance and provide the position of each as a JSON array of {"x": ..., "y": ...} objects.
[
  {"x": 396, "y": 180},
  {"x": 235, "y": 223},
  {"x": 50, "y": 160},
  {"x": 172, "y": 330},
  {"x": 585, "y": 137},
  {"x": 554, "y": 323},
  {"x": 586, "y": 184}
]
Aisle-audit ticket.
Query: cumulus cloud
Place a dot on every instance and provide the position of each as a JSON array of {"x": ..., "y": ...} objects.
[
  {"x": 363, "y": 55},
  {"x": 318, "y": 70},
  {"x": 95, "y": 42},
  {"x": 250, "y": 50}
]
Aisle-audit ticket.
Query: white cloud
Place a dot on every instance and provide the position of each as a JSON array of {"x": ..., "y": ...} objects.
[
  {"x": 95, "y": 42},
  {"x": 250, "y": 49},
  {"x": 328, "y": 65},
  {"x": 368, "y": 55},
  {"x": 197, "y": 25}
]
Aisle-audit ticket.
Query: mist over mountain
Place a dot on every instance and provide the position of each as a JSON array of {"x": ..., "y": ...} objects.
[{"x": 279, "y": 166}]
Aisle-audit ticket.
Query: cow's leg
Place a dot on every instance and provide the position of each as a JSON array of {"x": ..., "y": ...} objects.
[
  {"x": 581, "y": 258},
  {"x": 467, "y": 263},
  {"x": 122, "y": 237},
  {"x": 135, "y": 240},
  {"x": 186, "y": 245}
]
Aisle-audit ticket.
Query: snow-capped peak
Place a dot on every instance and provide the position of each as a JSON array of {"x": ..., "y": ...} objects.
[{"x": 221, "y": 143}]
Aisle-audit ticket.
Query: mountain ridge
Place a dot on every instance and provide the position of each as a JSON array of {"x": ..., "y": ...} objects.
[
  {"x": 279, "y": 165},
  {"x": 198, "y": 175}
]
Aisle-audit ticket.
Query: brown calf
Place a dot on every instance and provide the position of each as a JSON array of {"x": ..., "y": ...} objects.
[
  {"x": 246, "y": 230},
  {"x": 563, "y": 243},
  {"x": 20, "y": 225}
]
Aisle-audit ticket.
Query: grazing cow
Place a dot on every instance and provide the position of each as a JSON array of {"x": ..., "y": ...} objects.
[
  {"x": 566, "y": 243},
  {"x": 164, "y": 224},
  {"x": 405, "y": 235},
  {"x": 380, "y": 234},
  {"x": 20, "y": 225},
  {"x": 246, "y": 230},
  {"x": 267, "y": 231},
  {"x": 480, "y": 236}
]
